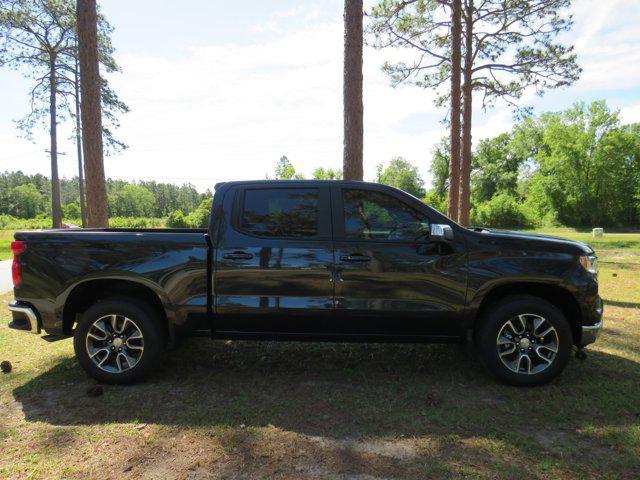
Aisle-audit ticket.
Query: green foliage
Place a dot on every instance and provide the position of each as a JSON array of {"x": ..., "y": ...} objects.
[
  {"x": 403, "y": 175},
  {"x": 434, "y": 199},
  {"x": 176, "y": 220},
  {"x": 515, "y": 45},
  {"x": 199, "y": 218},
  {"x": 495, "y": 167},
  {"x": 579, "y": 167},
  {"x": 131, "y": 201},
  {"x": 125, "y": 202},
  {"x": 412, "y": 25},
  {"x": 7, "y": 222},
  {"x": 439, "y": 169},
  {"x": 27, "y": 200},
  {"x": 286, "y": 171},
  {"x": 586, "y": 166},
  {"x": 71, "y": 210},
  {"x": 503, "y": 210},
  {"x": 135, "y": 222},
  {"x": 321, "y": 173}
]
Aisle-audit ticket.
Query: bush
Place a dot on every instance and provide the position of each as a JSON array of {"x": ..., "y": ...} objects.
[
  {"x": 132, "y": 201},
  {"x": 199, "y": 218},
  {"x": 503, "y": 210},
  {"x": 71, "y": 210},
  {"x": 176, "y": 220},
  {"x": 7, "y": 222},
  {"x": 135, "y": 222}
]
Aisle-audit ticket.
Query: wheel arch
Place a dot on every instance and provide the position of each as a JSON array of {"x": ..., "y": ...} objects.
[
  {"x": 556, "y": 295},
  {"x": 84, "y": 294}
]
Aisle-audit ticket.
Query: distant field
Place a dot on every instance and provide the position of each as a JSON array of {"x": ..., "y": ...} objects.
[{"x": 609, "y": 241}]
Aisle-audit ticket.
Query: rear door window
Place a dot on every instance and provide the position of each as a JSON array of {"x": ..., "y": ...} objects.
[{"x": 281, "y": 212}]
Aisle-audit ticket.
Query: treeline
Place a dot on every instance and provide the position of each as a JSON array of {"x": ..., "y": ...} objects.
[
  {"x": 28, "y": 196},
  {"x": 579, "y": 167}
]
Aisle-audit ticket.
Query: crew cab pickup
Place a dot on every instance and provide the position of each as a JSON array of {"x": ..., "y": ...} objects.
[{"x": 309, "y": 260}]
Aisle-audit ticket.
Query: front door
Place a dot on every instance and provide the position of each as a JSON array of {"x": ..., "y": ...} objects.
[
  {"x": 274, "y": 263},
  {"x": 392, "y": 279}
]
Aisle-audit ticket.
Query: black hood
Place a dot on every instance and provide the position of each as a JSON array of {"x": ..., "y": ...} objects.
[{"x": 534, "y": 240}]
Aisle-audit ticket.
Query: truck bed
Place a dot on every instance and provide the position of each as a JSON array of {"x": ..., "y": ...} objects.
[{"x": 61, "y": 264}]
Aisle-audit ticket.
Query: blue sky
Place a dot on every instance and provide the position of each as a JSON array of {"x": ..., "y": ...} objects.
[{"x": 220, "y": 90}]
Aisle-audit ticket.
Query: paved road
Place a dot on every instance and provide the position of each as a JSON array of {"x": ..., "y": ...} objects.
[{"x": 6, "y": 284}]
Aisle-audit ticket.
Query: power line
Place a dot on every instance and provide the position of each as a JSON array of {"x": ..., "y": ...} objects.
[
  {"x": 19, "y": 156},
  {"x": 135, "y": 177}
]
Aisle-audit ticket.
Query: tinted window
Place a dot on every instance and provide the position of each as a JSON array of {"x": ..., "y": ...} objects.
[
  {"x": 375, "y": 216},
  {"x": 281, "y": 212}
]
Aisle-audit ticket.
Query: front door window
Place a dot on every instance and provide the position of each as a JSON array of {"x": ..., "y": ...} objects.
[{"x": 370, "y": 215}]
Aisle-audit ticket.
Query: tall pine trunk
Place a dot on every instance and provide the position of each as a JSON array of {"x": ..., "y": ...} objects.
[
  {"x": 352, "y": 91},
  {"x": 97, "y": 212},
  {"x": 76, "y": 84},
  {"x": 56, "y": 210},
  {"x": 454, "y": 164},
  {"x": 467, "y": 105}
]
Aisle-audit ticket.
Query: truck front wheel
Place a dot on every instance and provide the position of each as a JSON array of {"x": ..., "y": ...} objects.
[
  {"x": 118, "y": 340},
  {"x": 524, "y": 340}
]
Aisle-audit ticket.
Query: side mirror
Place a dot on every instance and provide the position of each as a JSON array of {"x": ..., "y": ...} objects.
[{"x": 440, "y": 232}]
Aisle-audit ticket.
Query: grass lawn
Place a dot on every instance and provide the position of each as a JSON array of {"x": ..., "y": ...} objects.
[
  {"x": 6, "y": 237},
  {"x": 331, "y": 411}
]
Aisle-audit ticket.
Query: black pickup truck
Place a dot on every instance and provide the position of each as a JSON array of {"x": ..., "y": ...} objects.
[{"x": 309, "y": 260}]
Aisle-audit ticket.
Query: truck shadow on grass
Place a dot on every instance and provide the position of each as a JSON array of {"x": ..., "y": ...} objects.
[
  {"x": 401, "y": 411},
  {"x": 340, "y": 390}
]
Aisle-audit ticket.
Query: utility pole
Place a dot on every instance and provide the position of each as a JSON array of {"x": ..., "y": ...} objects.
[{"x": 76, "y": 86}]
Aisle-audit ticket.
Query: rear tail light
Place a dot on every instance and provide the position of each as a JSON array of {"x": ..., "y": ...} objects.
[{"x": 17, "y": 248}]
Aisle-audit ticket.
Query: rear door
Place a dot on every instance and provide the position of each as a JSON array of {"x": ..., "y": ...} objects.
[
  {"x": 392, "y": 279},
  {"x": 274, "y": 260}
]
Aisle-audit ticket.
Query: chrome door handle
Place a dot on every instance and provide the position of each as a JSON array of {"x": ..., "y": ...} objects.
[
  {"x": 355, "y": 258},
  {"x": 238, "y": 256}
]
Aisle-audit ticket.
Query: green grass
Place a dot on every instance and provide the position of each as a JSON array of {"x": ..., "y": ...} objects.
[
  {"x": 610, "y": 241},
  {"x": 6, "y": 237},
  {"x": 299, "y": 410}
]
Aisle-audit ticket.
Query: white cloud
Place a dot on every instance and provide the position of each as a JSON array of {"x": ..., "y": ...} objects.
[
  {"x": 229, "y": 112},
  {"x": 605, "y": 37},
  {"x": 630, "y": 114}
]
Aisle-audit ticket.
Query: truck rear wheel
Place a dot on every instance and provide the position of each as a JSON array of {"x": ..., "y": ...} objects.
[
  {"x": 118, "y": 340},
  {"x": 524, "y": 340}
]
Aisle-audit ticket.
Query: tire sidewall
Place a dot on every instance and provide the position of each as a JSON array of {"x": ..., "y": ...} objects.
[
  {"x": 146, "y": 321},
  {"x": 495, "y": 318}
]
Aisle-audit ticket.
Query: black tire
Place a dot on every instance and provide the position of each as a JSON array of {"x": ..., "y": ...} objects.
[
  {"x": 491, "y": 324},
  {"x": 144, "y": 318}
]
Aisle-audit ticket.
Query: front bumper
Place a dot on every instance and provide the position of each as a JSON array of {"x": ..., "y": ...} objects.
[
  {"x": 591, "y": 327},
  {"x": 590, "y": 333},
  {"x": 25, "y": 318}
]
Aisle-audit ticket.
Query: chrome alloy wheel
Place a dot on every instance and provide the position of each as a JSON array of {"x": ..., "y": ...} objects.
[
  {"x": 115, "y": 343},
  {"x": 527, "y": 343}
]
